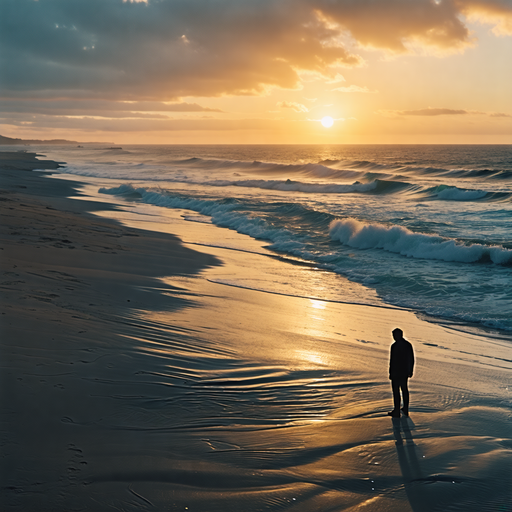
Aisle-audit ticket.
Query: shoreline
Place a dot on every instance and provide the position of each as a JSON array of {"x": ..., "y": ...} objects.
[
  {"x": 166, "y": 222},
  {"x": 201, "y": 395}
]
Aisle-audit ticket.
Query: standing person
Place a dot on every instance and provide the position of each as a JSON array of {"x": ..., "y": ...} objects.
[{"x": 401, "y": 366}]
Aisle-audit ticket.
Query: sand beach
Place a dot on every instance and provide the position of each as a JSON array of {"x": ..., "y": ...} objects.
[{"x": 134, "y": 377}]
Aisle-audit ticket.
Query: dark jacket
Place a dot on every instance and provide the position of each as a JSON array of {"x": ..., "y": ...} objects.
[{"x": 401, "y": 360}]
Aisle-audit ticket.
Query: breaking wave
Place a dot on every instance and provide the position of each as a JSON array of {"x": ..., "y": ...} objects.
[
  {"x": 457, "y": 194},
  {"x": 452, "y": 193},
  {"x": 374, "y": 186},
  {"x": 400, "y": 240},
  {"x": 351, "y": 232},
  {"x": 223, "y": 213}
]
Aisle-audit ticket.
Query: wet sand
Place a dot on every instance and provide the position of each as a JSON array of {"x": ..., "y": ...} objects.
[{"x": 132, "y": 379}]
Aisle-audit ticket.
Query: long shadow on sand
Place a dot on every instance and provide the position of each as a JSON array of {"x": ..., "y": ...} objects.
[
  {"x": 408, "y": 459},
  {"x": 421, "y": 494}
]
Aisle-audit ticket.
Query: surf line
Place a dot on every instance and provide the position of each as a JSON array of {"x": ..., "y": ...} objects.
[
  {"x": 278, "y": 257},
  {"x": 396, "y": 308}
]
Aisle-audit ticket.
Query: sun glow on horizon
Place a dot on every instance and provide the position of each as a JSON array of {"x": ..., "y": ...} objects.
[{"x": 327, "y": 121}]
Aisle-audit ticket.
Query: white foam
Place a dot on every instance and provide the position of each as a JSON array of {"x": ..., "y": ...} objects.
[
  {"x": 222, "y": 214},
  {"x": 398, "y": 239}
]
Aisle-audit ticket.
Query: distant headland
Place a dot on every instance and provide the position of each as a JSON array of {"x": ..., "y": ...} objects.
[{"x": 8, "y": 141}]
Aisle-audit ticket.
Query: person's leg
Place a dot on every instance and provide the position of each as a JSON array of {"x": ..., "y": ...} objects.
[
  {"x": 395, "y": 386},
  {"x": 405, "y": 396}
]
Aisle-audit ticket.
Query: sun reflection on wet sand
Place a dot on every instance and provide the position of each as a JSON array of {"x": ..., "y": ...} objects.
[{"x": 317, "y": 304}]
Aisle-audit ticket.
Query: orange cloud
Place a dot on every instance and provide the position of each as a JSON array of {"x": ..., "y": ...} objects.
[
  {"x": 92, "y": 124},
  {"x": 494, "y": 12},
  {"x": 354, "y": 88},
  {"x": 431, "y": 112},
  {"x": 396, "y": 24},
  {"x": 298, "y": 107},
  {"x": 97, "y": 107},
  {"x": 499, "y": 114}
]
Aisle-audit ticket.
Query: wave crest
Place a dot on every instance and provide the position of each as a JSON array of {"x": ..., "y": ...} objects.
[
  {"x": 458, "y": 194},
  {"x": 400, "y": 240},
  {"x": 298, "y": 186}
]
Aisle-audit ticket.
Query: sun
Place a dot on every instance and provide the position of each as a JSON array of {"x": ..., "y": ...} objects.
[{"x": 327, "y": 121}]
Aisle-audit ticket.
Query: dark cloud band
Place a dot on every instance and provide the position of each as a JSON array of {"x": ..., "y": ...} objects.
[{"x": 168, "y": 49}]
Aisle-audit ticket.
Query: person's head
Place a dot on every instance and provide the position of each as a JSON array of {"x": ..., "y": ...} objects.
[{"x": 398, "y": 334}]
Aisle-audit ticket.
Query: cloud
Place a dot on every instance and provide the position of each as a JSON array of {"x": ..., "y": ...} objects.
[
  {"x": 499, "y": 114},
  {"x": 170, "y": 49},
  {"x": 394, "y": 24},
  {"x": 354, "y": 88},
  {"x": 298, "y": 107},
  {"x": 334, "y": 119},
  {"x": 431, "y": 112},
  {"x": 337, "y": 78},
  {"x": 494, "y": 12},
  {"x": 101, "y": 108},
  {"x": 164, "y": 49},
  {"x": 39, "y": 123}
]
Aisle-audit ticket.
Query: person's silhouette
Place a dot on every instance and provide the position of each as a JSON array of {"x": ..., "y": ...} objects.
[{"x": 401, "y": 366}]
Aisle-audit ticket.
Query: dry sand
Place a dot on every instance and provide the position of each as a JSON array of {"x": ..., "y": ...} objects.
[{"x": 132, "y": 380}]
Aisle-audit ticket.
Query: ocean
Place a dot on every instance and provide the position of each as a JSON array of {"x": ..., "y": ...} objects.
[{"x": 422, "y": 227}]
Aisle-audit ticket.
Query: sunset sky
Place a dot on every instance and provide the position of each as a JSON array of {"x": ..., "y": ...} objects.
[{"x": 257, "y": 71}]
